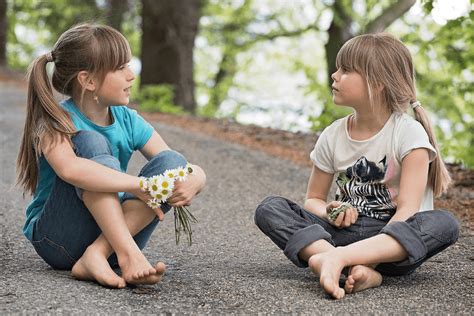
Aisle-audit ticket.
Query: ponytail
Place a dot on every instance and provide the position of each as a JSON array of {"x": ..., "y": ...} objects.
[
  {"x": 97, "y": 49},
  {"x": 438, "y": 176},
  {"x": 44, "y": 117}
]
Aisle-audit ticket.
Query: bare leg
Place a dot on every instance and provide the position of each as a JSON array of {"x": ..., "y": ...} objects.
[
  {"x": 319, "y": 246},
  {"x": 118, "y": 225},
  {"x": 378, "y": 249}
]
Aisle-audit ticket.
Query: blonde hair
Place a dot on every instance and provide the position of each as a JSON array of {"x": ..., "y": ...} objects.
[
  {"x": 384, "y": 61},
  {"x": 97, "y": 49}
]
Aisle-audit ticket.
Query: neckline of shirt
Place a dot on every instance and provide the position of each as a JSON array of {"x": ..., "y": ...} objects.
[
  {"x": 88, "y": 121},
  {"x": 382, "y": 130}
]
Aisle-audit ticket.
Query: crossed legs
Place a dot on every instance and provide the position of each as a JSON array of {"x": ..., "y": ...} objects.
[
  {"x": 368, "y": 248},
  {"x": 118, "y": 224}
]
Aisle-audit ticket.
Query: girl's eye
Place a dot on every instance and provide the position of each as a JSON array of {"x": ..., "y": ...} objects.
[{"x": 123, "y": 66}]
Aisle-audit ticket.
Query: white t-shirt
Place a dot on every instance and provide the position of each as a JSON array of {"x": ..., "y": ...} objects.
[{"x": 367, "y": 172}]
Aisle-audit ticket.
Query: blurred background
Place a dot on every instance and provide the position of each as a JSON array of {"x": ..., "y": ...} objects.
[{"x": 265, "y": 62}]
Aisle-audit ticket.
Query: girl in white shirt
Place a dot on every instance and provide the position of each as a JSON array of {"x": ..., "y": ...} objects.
[{"x": 383, "y": 163}]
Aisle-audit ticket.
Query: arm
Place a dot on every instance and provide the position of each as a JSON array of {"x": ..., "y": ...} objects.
[
  {"x": 183, "y": 192},
  {"x": 318, "y": 187},
  {"x": 98, "y": 178},
  {"x": 319, "y": 184},
  {"x": 413, "y": 180},
  {"x": 154, "y": 146}
]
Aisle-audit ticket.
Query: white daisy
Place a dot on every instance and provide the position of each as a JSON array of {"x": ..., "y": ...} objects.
[
  {"x": 154, "y": 186},
  {"x": 154, "y": 203},
  {"x": 181, "y": 174},
  {"x": 166, "y": 184},
  {"x": 170, "y": 174},
  {"x": 189, "y": 168},
  {"x": 143, "y": 184}
]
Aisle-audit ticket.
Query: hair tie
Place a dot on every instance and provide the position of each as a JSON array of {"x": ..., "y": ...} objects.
[
  {"x": 414, "y": 104},
  {"x": 49, "y": 57}
]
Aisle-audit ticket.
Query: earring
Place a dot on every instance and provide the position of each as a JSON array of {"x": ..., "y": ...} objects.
[{"x": 96, "y": 98}]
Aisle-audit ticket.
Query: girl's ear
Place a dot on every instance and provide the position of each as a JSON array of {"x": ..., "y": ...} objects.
[
  {"x": 86, "y": 81},
  {"x": 379, "y": 88}
]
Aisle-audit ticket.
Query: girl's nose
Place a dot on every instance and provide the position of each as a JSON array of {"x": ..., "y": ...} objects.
[
  {"x": 131, "y": 75},
  {"x": 333, "y": 76}
]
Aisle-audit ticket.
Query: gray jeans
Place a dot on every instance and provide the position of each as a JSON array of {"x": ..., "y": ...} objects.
[{"x": 292, "y": 228}]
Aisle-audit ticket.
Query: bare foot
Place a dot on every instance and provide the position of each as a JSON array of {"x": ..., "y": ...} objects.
[
  {"x": 329, "y": 270},
  {"x": 94, "y": 266},
  {"x": 137, "y": 270},
  {"x": 361, "y": 278}
]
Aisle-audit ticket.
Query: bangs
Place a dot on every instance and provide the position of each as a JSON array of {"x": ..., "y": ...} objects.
[
  {"x": 353, "y": 56},
  {"x": 111, "y": 50}
]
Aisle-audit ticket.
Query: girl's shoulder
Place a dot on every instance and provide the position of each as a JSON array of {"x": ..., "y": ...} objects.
[
  {"x": 405, "y": 123},
  {"x": 124, "y": 113},
  {"x": 337, "y": 125}
]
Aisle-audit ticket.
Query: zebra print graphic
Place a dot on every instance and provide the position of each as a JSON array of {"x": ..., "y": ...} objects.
[{"x": 361, "y": 187}]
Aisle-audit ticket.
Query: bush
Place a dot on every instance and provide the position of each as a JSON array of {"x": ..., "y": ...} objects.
[{"x": 157, "y": 98}]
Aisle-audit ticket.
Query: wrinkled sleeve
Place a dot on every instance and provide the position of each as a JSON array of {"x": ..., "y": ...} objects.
[
  {"x": 322, "y": 154},
  {"x": 413, "y": 136}
]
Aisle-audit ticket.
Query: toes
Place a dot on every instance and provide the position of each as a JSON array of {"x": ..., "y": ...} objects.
[
  {"x": 160, "y": 268},
  {"x": 338, "y": 293}
]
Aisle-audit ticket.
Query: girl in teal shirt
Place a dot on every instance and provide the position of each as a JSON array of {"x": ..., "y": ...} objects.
[{"x": 87, "y": 214}]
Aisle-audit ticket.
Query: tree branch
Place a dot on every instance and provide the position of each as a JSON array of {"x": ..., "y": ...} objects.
[{"x": 388, "y": 16}]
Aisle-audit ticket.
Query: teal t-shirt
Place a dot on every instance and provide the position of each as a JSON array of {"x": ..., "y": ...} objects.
[{"x": 129, "y": 132}]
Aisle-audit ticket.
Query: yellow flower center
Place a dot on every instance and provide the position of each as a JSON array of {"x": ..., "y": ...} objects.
[
  {"x": 165, "y": 184},
  {"x": 154, "y": 187},
  {"x": 165, "y": 192}
]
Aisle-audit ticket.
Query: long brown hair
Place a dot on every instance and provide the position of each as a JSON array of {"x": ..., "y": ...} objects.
[
  {"x": 97, "y": 49},
  {"x": 385, "y": 61}
]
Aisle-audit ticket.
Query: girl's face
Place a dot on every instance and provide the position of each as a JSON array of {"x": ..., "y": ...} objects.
[
  {"x": 115, "y": 89},
  {"x": 349, "y": 88}
]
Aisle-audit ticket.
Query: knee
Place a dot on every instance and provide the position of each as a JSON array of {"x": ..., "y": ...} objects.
[
  {"x": 450, "y": 225},
  {"x": 165, "y": 160},
  {"x": 88, "y": 144},
  {"x": 266, "y": 210},
  {"x": 443, "y": 224}
]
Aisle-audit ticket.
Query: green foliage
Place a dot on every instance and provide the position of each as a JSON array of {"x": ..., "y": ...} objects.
[
  {"x": 228, "y": 30},
  {"x": 131, "y": 26},
  {"x": 157, "y": 98},
  {"x": 445, "y": 77},
  {"x": 35, "y": 25}
]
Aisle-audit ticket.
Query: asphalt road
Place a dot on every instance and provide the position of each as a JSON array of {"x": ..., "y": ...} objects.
[{"x": 231, "y": 267}]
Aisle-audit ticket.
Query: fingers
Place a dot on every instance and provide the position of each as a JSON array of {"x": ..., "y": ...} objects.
[
  {"x": 180, "y": 198},
  {"x": 159, "y": 213},
  {"x": 332, "y": 205},
  {"x": 346, "y": 218},
  {"x": 355, "y": 215},
  {"x": 339, "y": 220}
]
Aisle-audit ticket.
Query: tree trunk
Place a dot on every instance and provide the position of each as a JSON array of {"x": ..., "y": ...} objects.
[
  {"x": 339, "y": 32},
  {"x": 3, "y": 32},
  {"x": 169, "y": 29},
  {"x": 115, "y": 11}
]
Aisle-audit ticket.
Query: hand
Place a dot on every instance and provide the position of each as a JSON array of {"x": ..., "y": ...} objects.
[
  {"x": 344, "y": 219},
  {"x": 146, "y": 197},
  {"x": 184, "y": 191}
]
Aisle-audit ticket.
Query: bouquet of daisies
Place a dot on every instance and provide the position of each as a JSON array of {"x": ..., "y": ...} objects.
[{"x": 160, "y": 188}]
